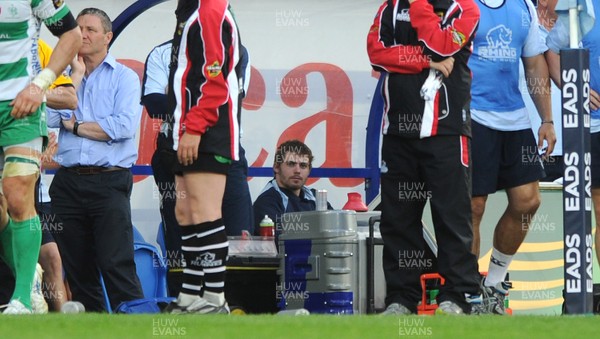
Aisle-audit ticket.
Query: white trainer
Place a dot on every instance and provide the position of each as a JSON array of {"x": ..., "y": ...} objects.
[
  {"x": 16, "y": 307},
  {"x": 38, "y": 302}
]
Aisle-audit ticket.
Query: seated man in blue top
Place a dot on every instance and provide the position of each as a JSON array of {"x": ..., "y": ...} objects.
[{"x": 287, "y": 192}]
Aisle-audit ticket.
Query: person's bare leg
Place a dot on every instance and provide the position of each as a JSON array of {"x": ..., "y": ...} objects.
[
  {"x": 21, "y": 236},
  {"x": 477, "y": 209},
  {"x": 199, "y": 197},
  {"x": 3, "y": 212},
  {"x": 54, "y": 286},
  {"x": 523, "y": 202}
]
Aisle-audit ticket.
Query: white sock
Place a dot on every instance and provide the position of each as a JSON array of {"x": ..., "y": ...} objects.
[
  {"x": 499, "y": 263},
  {"x": 214, "y": 298},
  {"x": 185, "y": 300}
]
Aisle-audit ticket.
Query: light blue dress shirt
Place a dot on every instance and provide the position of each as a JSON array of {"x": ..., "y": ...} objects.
[{"x": 110, "y": 97}]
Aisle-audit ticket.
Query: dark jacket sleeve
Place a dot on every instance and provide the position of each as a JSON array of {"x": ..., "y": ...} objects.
[{"x": 156, "y": 105}]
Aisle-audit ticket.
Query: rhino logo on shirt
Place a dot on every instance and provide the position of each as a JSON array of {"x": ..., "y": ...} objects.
[
  {"x": 498, "y": 46},
  {"x": 499, "y": 37}
]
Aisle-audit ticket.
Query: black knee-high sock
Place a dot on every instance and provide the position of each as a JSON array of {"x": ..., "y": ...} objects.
[{"x": 204, "y": 248}]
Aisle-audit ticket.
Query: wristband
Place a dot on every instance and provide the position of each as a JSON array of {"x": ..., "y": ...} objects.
[
  {"x": 548, "y": 122},
  {"x": 76, "y": 127},
  {"x": 44, "y": 79}
]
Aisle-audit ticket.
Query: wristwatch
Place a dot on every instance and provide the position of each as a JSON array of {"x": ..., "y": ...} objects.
[{"x": 76, "y": 127}]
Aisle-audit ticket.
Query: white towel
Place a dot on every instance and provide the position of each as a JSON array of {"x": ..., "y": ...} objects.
[{"x": 432, "y": 84}]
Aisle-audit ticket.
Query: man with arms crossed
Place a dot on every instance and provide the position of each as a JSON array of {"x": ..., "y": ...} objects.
[
  {"x": 90, "y": 193},
  {"x": 425, "y": 47}
]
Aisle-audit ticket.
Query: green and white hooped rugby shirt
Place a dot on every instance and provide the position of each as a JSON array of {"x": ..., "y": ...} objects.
[{"x": 20, "y": 22}]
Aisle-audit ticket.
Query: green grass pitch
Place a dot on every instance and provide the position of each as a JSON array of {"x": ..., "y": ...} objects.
[{"x": 313, "y": 326}]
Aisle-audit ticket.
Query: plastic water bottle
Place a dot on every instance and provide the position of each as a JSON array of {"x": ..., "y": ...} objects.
[
  {"x": 300, "y": 311},
  {"x": 267, "y": 227},
  {"x": 72, "y": 307}
]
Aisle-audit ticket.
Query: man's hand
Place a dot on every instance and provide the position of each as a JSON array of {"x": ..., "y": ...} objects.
[
  {"x": 77, "y": 70},
  {"x": 445, "y": 66},
  {"x": 77, "y": 65},
  {"x": 594, "y": 100},
  {"x": 27, "y": 101},
  {"x": 69, "y": 124},
  {"x": 50, "y": 151},
  {"x": 187, "y": 152},
  {"x": 546, "y": 132}
]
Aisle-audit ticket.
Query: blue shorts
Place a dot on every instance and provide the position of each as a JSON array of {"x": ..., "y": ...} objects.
[{"x": 503, "y": 159}]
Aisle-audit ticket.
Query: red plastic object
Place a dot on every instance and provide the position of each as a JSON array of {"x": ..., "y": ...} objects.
[
  {"x": 424, "y": 307},
  {"x": 355, "y": 203}
]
